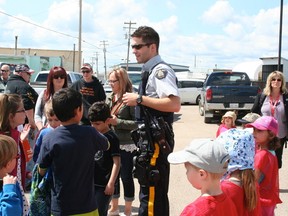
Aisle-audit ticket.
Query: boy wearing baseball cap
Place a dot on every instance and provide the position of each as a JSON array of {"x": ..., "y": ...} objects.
[{"x": 205, "y": 161}]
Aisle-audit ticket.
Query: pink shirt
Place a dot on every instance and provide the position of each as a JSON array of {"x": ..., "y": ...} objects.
[{"x": 222, "y": 128}]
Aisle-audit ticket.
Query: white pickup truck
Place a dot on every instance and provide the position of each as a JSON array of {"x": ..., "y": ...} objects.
[{"x": 40, "y": 80}]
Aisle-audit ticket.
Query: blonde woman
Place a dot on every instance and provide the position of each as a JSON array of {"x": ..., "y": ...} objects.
[
  {"x": 274, "y": 102},
  {"x": 123, "y": 121}
]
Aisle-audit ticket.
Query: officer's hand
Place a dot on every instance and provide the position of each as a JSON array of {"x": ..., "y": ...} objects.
[{"x": 130, "y": 99}]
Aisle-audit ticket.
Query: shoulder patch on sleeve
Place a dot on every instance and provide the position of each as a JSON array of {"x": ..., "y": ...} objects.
[{"x": 161, "y": 73}]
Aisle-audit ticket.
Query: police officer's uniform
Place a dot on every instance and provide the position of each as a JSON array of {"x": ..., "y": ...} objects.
[{"x": 160, "y": 84}]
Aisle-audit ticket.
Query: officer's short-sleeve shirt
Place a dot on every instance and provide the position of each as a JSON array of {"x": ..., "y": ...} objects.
[{"x": 162, "y": 80}]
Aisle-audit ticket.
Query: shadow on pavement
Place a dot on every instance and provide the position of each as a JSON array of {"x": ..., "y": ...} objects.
[
  {"x": 177, "y": 116},
  {"x": 134, "y": 210},
  {"x": 283, "y": 190}
]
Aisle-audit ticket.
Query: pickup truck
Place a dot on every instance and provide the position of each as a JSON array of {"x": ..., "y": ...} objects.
[
  {"x": 40, "y": 81},
  {"x": 223, "y": 91}
]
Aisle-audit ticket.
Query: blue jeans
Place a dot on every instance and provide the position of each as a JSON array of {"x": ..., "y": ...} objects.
[
  {"x": 126, "y": 177},
  {"x": 102, "y": 200}
]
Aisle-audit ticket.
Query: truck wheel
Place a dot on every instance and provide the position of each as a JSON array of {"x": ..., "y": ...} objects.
[
  {"x": 198, "y": 99},
  {"x": 201, "y": 109},
  {"x": 207, "y": 120}
]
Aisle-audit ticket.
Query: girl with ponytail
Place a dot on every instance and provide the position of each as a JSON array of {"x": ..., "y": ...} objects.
[{"x": 239, "y": 182}]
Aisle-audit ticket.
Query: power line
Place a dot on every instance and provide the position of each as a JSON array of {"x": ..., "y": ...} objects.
[
  {"x": 48, "y": 29},
  {"x": 38, "y": 25}
]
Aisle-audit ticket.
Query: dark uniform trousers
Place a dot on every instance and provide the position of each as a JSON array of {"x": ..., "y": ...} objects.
[
  {"x": 161, "y": 202},
  {"x": 160, "y": 197}
]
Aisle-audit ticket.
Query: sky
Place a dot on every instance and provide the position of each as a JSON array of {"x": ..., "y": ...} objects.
[{"x": 200, "y": 34}]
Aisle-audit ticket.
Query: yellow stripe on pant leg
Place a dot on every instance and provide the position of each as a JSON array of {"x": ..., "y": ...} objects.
[
  {"x": 155, "y": 155},
  {"x": 151, "y": 201},
  {"x": 152, "y": 188}
]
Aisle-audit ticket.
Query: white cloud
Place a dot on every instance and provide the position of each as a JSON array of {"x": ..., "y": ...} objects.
[
  {"x": 219, "y": 13},
  {"x": 170, "y": 5},
  {"x": 234, "y": 30},
  {"x": 236, "y": 38}
]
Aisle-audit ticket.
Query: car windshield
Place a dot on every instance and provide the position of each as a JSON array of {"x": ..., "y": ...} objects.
[
  {"x": 135, "y": 78},
  {"x": 229, "y": 79}
]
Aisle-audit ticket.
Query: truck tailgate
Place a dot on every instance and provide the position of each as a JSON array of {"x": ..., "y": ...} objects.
[{"x": 231, "y": 94}]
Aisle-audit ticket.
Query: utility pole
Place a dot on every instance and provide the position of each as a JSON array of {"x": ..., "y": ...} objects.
[
  {"x": 95, "y": 59},
  {"x": 73, "y": 69},
  {"x": 97, "y": 72},
  {"x": 280, "y": 37},
  {"x": 80, "y": 36},
  {"x": 104, "y": 51},
  {"x": 92, "y": 63},
  {"x": 16, "y": 42},
  {"x": 128, "y": 37}
]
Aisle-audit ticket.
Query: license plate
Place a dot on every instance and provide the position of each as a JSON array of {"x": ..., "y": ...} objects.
[{"x": 233, "y": 105}]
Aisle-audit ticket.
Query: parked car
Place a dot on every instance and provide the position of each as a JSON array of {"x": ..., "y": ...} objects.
[
  {"x": 134, "y": 76},
  {"x": 40, "y": 81},
  {"x": 190, "y": 90}
]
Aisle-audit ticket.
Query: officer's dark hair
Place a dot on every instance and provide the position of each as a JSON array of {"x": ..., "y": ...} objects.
[
  {"x": 99, "y": 111},
  {"x": 148, "y": 35},
  {"x": 65, "y": 102}
]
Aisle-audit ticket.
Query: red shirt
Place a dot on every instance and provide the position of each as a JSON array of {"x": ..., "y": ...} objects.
[
  {"x": 211, "y": 205},
  {"x": 267, "y": 163},
  {"x": 236, "y": 194},
  {"x": 15, "y": 134}
]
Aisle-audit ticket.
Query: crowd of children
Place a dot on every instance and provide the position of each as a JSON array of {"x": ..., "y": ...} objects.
[{"x": 237, "y": 173}]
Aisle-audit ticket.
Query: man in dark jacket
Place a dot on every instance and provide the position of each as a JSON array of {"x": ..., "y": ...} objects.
[
  {"x": 18, "y": 83},
  {"x": 91, "y": 90}
]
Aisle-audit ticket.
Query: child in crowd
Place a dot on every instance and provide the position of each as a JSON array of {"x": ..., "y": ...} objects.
[
  {"x": 240, "y": 184},
  {"x": 206, "y": 161},
  {"x": 10, "y": 193},
  {"x": 52, "y": 123},
  {"x": 248, "y": 118},
  {"x": 227, "y": 122},
  {"x": 69, "y": 151},
  {"x": 107, "y": 163},
  {"x": 266, "y": 164},
  {"x": 12, "y": 115}
]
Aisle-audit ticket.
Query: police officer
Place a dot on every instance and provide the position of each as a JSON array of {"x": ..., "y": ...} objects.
[{"x": 158, "y": 94}]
